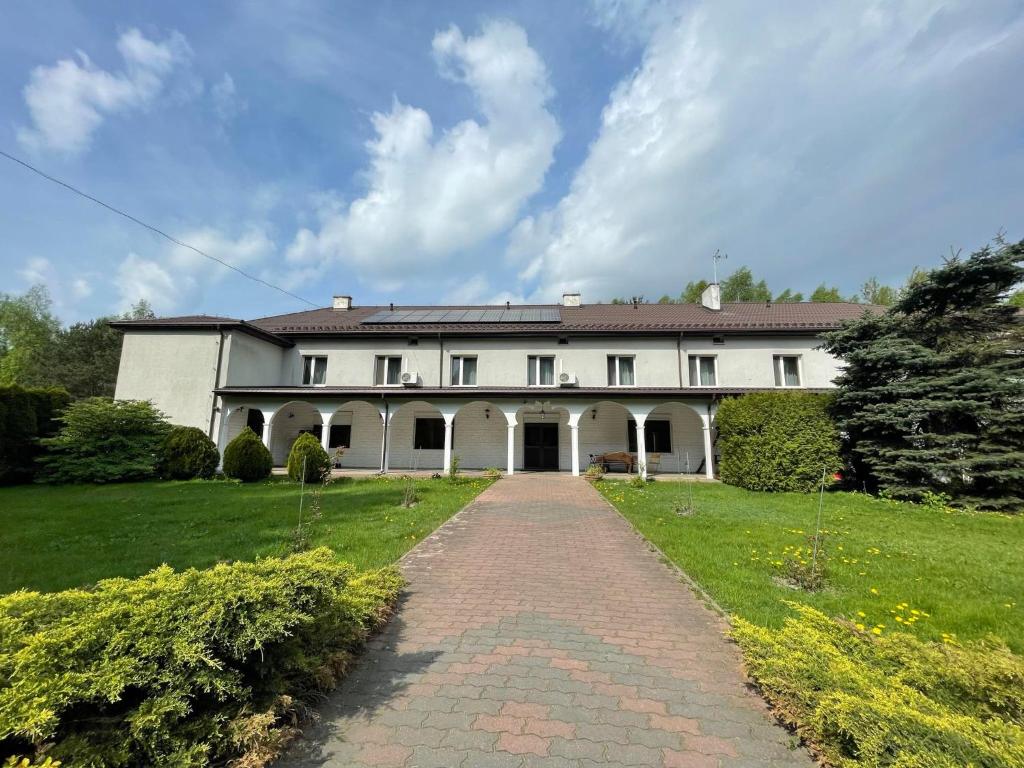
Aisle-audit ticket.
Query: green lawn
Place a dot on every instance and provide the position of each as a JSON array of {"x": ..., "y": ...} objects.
[
  {"x": 962, "y": 572},
  {"x": 55, "y": 537}
]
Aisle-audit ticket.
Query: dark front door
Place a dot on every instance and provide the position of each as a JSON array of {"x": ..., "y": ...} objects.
[{"x": 540, "y": 446}]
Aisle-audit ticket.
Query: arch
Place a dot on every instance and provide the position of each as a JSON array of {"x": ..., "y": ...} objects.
[
  {"x": 604, "y": 428},
  {"x": 402, "y": 451},
  {"x": 481, "y": 435},
  {"x": 538, "y": 411},
  {"x": 360, "y": 424},
  {"x": 686, "y": 452},
  {"x": 237, "y": 418},
  {"x": 288, "y": 422}
]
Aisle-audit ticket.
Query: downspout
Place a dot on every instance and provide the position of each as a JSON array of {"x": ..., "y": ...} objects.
[
  {"x": 679, "y": 357},
  {"x": 216, "y": 381},
  {"x": 440, "y": 361},
  {"x": 384, "y": 432}
]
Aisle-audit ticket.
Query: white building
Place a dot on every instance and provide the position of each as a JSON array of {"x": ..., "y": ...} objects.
[{"x": 514, "y": 387}]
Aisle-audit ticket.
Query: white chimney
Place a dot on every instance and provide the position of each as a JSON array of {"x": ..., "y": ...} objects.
[
  {"x": 571, "y": 300},
  {"x": 712, "y": 297},
  {"x": 343, "y": 302}
]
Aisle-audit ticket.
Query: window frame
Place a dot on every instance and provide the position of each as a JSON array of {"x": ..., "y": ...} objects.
[
  {"x": 416, "y": 446},
  {"x": 689, "y": 370},
  {"x": 533, "y": 366},
  {"x": 779, "y": 370},
  {"x": 649, "y": 447},
  {"x": 462, "y": 370},
  {"x": 377, "y": 363},
  {"x": 311, "y": 361},
  {"x": 618, "y": 370}
]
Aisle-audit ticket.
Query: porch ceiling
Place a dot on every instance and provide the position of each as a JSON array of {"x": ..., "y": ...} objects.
[{"x": 481, "y": 393}]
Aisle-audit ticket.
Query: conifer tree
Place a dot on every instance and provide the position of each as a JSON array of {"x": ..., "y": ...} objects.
[{"x": 932, "y": 395}]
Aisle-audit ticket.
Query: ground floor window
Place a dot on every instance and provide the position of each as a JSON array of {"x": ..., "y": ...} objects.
[
  {"x": 254, "y": 420},
  {"x": 657, "y": 436},
  {"x": 317, "y": 430},
  {"x": 341, "y": 436},
  {"x": 429, "y": 434}
]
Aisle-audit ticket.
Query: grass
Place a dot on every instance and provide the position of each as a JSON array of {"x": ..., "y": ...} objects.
[
  {"x": 963, "y": 573},
  {"x": 56, "y": 537}
]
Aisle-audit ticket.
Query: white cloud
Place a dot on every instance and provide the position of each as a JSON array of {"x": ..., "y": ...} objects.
[
  {"x": 181, "y": 278},
  {"x": 429, "y": 198},
  {"x": 808, "y": 135},
  {"x": 226, "y": 102},
  {"x": 65, "y": 290},
  {"x": 70, "y": 99}
]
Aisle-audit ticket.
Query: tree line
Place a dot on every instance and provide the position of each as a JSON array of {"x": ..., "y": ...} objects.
[
  {"x": 36, "y": 350},
  {"x": 742, "y": 286}
]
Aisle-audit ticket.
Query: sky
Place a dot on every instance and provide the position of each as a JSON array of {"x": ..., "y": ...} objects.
[{"x": 478, "y": 152}]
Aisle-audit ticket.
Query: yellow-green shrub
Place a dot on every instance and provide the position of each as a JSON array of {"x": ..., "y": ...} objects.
[
  {"x": 179, "y": 668},
  {"x": 892, "y": 700}
]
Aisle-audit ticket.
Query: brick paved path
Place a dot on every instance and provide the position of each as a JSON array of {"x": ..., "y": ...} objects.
[{"x": 539, "y": 630}]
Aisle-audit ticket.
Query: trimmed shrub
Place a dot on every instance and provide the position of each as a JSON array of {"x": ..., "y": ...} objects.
[
  {"x": 892, "y": 700},
  {"x": 105, "y": 441},
  {"x": 777, "y": 441},
  {"x": 247, "y": 459},
  {"x": 186, "y": 668},
  {"x": 307, "y": 448},
  {"x": 26, "y": 415},
  {"x": 188, "y": 453}
]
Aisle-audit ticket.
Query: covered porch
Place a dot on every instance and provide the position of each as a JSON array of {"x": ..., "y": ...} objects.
[{"x": 404, "y": 432}]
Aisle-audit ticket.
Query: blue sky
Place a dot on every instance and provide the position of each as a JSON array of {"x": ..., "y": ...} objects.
[{"x": 478, "y": 152}]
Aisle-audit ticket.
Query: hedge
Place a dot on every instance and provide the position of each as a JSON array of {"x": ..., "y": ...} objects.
[
  {"x": 186, "y": 668},
  {"x": 26, "y": 415},
  {"x": 307, "y": 452},
  {"x": 247, "y": 459},
  {"x": 776, "y": 441},
  {"x": 891, "y": 700},
  {"x": 105, "y": 441},
  {"x": 187, "y": 453}
]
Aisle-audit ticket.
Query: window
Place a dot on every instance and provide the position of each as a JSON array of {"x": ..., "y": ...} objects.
[
  {"x": 463, "y": 371},
  {"x": 702, "y": 371},
  {"x": 388, "y": 370},
  {"x": 340, "y": 437},
  {"x": 314, "y": 369},
  {"x": 254, "y": 421},
  {"x": 657, "y": 436},
  {"x": 787, "y": 370},
  {"x": 620, "y": 371},
  {"x": 429, "y": 434},
  {"x": 317, "y": 431},
  {"x": 540, "y": 371}
]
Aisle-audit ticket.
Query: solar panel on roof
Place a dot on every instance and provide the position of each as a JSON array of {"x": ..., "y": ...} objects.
[{"x": 413, "y": 316}]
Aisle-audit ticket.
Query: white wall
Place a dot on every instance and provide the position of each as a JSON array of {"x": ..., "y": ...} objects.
[
  {"x": 350, "y": 362},
  {"x": 173, "y": 369},
  {"x": 747, "y": 361},
  {"x": 251, "y": 361}
]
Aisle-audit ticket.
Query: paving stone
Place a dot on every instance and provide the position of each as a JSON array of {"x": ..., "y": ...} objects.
[{"x": 539, "y": 630}]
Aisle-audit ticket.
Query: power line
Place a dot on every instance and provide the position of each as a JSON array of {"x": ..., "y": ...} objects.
[{"x": 151, "y": 228}]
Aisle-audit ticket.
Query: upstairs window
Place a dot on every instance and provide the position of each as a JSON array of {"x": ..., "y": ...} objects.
[
  {"x": 703, "y": 371},
  {"x": 620, "y": 371},
  {"x": 388, "y": 370},
  {"x": 787, "y": 370},
  {"x": 463, "y": 371},
  {"x": 540, "y": 370},
  {"x": 314, "y": 369}
]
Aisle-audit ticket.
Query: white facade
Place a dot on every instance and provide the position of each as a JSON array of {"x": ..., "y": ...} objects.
[{"x": 221, "y": 376}]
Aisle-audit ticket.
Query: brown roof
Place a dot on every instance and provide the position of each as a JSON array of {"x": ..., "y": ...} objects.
[
  {"x": 591, "y": 318},
  {"x": 751, "y": 317}
]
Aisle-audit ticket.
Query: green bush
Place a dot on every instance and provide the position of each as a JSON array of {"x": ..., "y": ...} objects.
[
  {"x": 891, "y": 700},
  {"x": 26, "y": 415},
  {"x": 105, "y": 441},
  {"x": 185, "y": 668},
  {"x": 247, "y": 459},
  {"x": 188, "y": 453},
  {"x": 776, "y": 441},
  {"x": 307, "y": 448}
]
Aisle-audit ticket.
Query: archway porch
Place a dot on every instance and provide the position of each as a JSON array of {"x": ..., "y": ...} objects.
[{"x": 410, "y": 430}]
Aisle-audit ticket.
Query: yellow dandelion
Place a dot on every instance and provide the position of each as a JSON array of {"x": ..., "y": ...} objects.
[
  {"x": 876, "y": 631},
  {"x": 874, "y": 591}
]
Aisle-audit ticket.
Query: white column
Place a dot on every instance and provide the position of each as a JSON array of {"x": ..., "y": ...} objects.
[
  {"x": 511, "y": 447},
  {"x": 574, "y": 436},
  {"x": 641, "y": 448},
  {"x": 325, "y": 435},
  {"x": 709, "y": 470},
  {"x": 267, "y": 424},
  {"x": 222, "y": 433},
  {"x": 448, "y": 442},
  {"x": 385, "y": 466}
]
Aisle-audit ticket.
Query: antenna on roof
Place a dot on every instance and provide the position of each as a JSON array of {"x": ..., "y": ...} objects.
[
  {"x": 717, "y": 258},
  {"x": 391, "y": 306},
  {"x": 508, "y": 304}
]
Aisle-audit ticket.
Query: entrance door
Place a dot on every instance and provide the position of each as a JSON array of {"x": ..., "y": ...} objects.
[{"x": 540, "y": 446}]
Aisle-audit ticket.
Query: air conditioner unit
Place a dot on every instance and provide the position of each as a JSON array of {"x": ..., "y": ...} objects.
[
  {"x": 568, "y": 380},
  {"x": 410, "y": 379}
]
